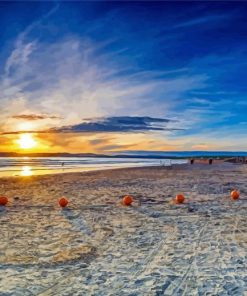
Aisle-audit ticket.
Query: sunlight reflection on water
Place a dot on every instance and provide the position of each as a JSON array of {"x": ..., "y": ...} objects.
[
  {"x": 26, "y": 171},
  {"x": 31, "y": 166}
]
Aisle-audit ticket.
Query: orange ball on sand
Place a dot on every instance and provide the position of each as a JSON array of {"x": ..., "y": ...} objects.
[
  {"x": 179, "y": 198},
  {"x": 127, "y": 200},
  {"x": 63, "y": 202},
  {"x": 3, "y": 200},
  {"x": 235, "y": 194}
]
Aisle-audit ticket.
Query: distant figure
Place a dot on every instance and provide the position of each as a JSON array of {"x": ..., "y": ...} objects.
[
  {"x": 62, "y": 164},
  {"x": 210, "y": 161},
  {"x": 192, "y": 161}
]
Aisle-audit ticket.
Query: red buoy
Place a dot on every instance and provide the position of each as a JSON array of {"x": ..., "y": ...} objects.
[
  {"x": 235, "y": 194},
  {"x": 127, "y": 200},
  {"x": 179, "y": 198},
  {"x": 3, "y": 200},
  {"x": 63, "y": 202}
]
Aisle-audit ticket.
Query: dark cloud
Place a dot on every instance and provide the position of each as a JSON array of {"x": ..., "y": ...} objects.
[
  {"x": 35, "y": 116},
  {"x": 120, "y": 124},
  {"x": 117, "y": 124}
]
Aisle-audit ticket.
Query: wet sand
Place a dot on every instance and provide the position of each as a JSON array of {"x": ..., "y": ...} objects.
[{"x": 98, "y": 247}]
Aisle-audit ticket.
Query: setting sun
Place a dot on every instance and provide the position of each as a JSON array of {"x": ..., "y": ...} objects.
[{"x": 26, "y": 141}]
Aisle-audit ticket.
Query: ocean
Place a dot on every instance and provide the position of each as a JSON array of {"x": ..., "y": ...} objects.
[{"x": 28, "y": 166}]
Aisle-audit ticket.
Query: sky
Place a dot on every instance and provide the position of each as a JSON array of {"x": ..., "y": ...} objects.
[{"x": 107, "y": 77}]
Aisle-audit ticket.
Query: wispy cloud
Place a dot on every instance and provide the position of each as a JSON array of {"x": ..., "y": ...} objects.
[
  {"x": 32, "y": 117},
  {"x": 207, "y": 19},
  {"x": 78, "y": 77},
  {"x": 23, "y": 48}
]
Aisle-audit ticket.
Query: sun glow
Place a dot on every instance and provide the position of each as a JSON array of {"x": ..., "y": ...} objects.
[
  {"x": 25, "y": 126},
  {"x": 26, "y": 141}
]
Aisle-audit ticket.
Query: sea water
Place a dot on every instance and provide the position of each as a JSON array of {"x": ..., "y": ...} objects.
[{"x": 27, "y": 166}]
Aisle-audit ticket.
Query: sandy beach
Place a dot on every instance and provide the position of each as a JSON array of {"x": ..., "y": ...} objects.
[{"x": 97, "y": 246}]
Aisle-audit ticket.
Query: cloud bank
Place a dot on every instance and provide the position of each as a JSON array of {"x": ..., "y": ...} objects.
[
  {"x": 121, "y": 124},
  {"x": 78, "y": 77},
  {"x": 117, "y": 124}
]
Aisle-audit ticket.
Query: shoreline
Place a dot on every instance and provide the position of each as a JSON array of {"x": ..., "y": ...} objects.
[
  {"x": 46, "y": 171},
  {"x": 79, "y": 171},
  {"x": 198, "y": 163}
]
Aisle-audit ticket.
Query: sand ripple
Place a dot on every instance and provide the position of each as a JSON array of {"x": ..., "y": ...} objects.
[{"x": 98, "y": 247}]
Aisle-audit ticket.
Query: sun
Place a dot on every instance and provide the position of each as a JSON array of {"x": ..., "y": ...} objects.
[{"x": 26, "y": 141}]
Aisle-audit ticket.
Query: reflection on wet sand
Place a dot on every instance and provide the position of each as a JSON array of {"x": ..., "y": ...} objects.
[
  {"x": 26, "y": 171},
  {"x": 26, "y": 166}
]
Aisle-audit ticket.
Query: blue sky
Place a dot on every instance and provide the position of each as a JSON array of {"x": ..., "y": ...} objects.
[{"x": 70, "y": 65}]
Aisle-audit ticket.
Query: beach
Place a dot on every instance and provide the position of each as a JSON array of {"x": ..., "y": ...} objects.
[{"x": 97, "y": 246}]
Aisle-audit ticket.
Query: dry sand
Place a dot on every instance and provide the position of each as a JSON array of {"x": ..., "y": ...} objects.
[{"x": 99, "y": 247}]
